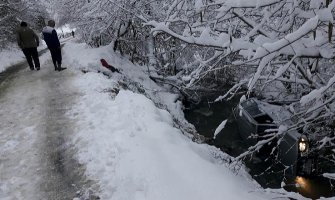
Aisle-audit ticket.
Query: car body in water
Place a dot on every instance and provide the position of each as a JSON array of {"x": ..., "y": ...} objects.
[{"x": 292, "y": 148}]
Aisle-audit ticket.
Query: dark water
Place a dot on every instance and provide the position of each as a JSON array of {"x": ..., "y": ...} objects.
[{"x": 206, "y": 117}]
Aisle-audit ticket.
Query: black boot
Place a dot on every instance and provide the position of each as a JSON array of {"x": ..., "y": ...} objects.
[{"x": 60, "y": 68}]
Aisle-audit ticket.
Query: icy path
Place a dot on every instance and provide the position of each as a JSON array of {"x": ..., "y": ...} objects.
[{"x": 35, "y": 159}]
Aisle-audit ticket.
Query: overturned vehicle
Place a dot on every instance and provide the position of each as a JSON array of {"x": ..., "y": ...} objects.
[{"x": 258, "y": 123}]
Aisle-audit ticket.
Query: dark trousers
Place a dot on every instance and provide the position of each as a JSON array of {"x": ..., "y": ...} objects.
[
  {"x": 32, "y": 54},
  {"x": 56, "y": 56}
]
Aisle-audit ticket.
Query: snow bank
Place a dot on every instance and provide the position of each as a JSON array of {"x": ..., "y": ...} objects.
[
  {"x": 131, "y": 148},
  {"x": 13, "y": 55},
  {"x": 10, "y": 56},
  {"x": 82, "y": 57}
]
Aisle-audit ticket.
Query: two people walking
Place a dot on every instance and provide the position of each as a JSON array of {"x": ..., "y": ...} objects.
[{"x": 28, "y": 41}]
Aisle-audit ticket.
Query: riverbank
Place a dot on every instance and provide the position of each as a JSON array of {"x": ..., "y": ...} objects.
[
  {"x": 127, "y": 137},
  {"x": 125, "y": 133}
]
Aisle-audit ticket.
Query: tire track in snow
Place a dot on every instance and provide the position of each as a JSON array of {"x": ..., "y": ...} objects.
[
  {"x": 41, "y": 166},
  {"x": 63, "y": 178}
]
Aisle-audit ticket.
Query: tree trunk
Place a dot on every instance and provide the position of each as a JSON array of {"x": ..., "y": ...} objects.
[{"x": 151, "y": 51}]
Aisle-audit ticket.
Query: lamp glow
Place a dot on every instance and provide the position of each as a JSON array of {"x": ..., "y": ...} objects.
[{"x": 302, "y": 145}]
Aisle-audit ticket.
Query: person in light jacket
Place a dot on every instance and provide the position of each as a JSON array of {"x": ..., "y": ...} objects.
[
  {"x": 51, "y": 39},
  {"x": 28, "y": 41}
]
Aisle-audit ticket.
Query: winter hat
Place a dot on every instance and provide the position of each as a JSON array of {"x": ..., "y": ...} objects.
[
  {"x": 104, "y": 63},
  {"x": 51, "y": 23},
  {"x": 24, "y": 24}
]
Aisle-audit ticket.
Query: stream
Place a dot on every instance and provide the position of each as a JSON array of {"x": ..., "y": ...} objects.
[{"x": 206, "y": 117}]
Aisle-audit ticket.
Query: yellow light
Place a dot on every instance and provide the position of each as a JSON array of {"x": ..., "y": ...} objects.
[
  {"x": 301, "y": 182},
  {"x": 304, "y": 185},
  {"x": 302, "y": 146}
]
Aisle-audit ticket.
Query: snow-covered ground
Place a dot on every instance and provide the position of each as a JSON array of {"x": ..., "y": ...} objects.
[
  {"x": 114, "y": 126},
  {"x": 9, "y": 56},
  {"x": 33, "y": 148},
  {"x": 13, "y": 55},
  {"x": 132, "y": 149}
]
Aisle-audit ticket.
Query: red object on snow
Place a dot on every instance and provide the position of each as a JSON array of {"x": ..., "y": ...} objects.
[
  {"x": 110, "y": 67},
  {"x": 104, "y": 63}
]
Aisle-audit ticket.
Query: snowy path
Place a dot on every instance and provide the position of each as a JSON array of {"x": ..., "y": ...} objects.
[{"x": 35, "y": 159}]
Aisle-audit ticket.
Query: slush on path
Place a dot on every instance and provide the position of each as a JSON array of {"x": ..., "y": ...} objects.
[{"x": 36, "y": 162}]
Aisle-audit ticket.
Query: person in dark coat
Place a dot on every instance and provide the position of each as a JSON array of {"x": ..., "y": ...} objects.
[
  {"x": 110, "y": 67},
  {"x": 28, "y": 41},
  {"x": 51, "y": 39}
]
